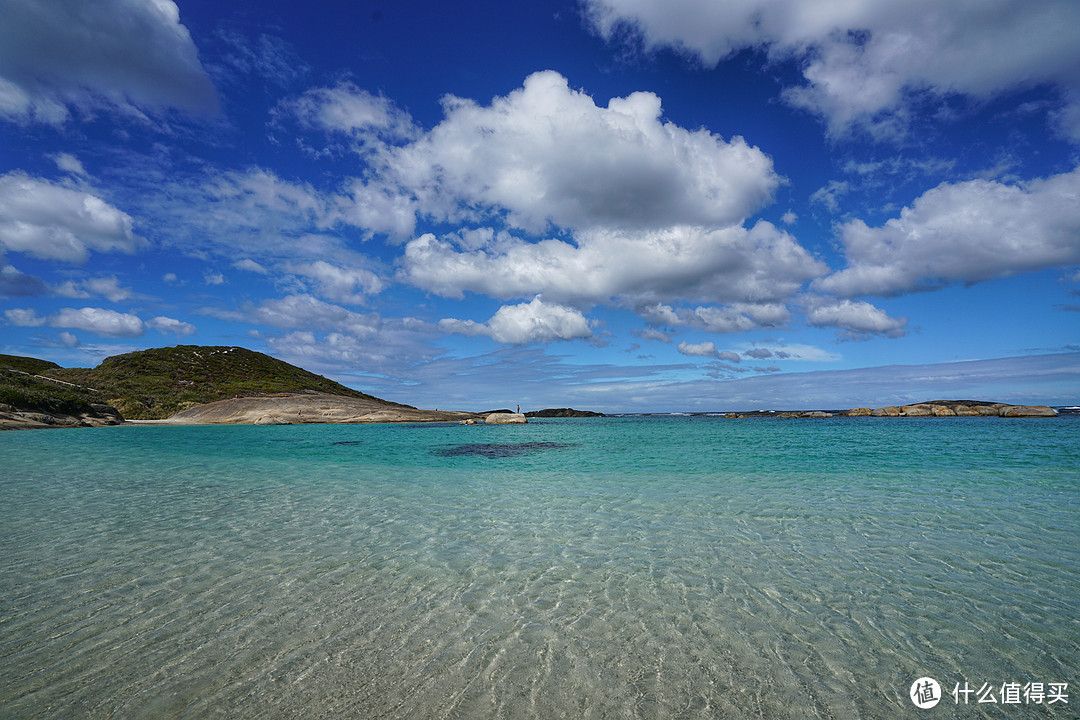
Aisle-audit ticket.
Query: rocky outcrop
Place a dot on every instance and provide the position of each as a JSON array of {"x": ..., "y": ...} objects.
[
  {"x": 1028, "y": 411},
  {"x": 296, "y": 408},
  {"x": 971, "y": 408},
  {"x": 563, "y": 413},
  {"x": 505, "y": 419},
  {"x": 935, "y": 408},
  {"x": 782, "y": 414},
  {"x": 98, "y": 415}
]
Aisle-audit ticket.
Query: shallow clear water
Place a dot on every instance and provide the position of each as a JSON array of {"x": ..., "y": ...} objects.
[{"x": 624, "y": 567}]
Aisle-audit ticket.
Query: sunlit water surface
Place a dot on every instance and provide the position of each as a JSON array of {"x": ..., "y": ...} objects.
[{"x": 614, "y": 568}]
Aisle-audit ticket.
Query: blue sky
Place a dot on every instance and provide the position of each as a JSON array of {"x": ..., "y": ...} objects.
[{"x": 621, "y": 205}]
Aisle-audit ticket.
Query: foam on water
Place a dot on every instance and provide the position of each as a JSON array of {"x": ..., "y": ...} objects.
[{"x": 640, "y": 567}]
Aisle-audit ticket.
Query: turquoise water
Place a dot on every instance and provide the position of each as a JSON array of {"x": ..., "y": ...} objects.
[{"x": 615, "y": 568}]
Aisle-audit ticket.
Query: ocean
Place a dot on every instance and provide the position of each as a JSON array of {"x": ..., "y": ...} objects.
[{"x": 627, "y": 567}]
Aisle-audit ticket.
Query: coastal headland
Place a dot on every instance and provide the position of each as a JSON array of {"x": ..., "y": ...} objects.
[{"x": 190, "y": 384}]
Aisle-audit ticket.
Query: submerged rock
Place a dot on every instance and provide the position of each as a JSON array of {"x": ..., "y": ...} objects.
[{"x": 498, "y": 450}]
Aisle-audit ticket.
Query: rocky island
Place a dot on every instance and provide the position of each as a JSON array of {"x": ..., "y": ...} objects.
[
  {"x": 563, "y": 413},
  {"x": 932, "y": 408}
]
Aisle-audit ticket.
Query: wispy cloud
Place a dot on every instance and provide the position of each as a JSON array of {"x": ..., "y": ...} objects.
[{"x": 100, "y": 321}]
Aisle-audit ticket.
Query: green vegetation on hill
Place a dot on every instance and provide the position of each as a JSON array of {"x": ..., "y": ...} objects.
[
  {"x": 30, "y": 394},
  {"x": 156, "y": 383},
  {"x": 26, "y": 364}
]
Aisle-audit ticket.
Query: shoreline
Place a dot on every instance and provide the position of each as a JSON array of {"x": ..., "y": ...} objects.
[{"x": 322, "y": 408}]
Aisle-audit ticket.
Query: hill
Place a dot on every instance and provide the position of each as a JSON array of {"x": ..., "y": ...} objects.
[
  {"x": 29, "y": 393},
  {"x": 26, "y": 364},
  {"x": 154, "y": 384}
]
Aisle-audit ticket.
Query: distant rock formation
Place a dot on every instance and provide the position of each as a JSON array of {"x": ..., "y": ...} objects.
[
  {"x": 563, "y": 413},
  {"x": 782, "y": 414},
  {"x": 967, "y": 408},
  {"x": 935, "y": 408},
  {"x": 505, "y": 418},
  {"x": 1028, "y": 411}
]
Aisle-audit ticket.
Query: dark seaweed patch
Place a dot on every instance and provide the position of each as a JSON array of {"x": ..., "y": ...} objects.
[{"x": 499, "y": 450}]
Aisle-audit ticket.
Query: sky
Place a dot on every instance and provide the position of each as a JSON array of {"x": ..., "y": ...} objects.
[{"x": 615, "y": 205}]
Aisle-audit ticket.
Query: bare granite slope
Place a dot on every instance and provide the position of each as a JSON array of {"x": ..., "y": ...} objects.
[{"x": 310, "y": 407}]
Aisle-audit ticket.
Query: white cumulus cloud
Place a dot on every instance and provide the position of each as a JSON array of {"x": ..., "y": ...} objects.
[
  {"x": 732, "y": 264},
  {"x": 24, "y": 317},
  {"x": 171, "y": 325},
  {"x": 547, "y": 153},
  {"x": 108, "y": 323},
  {"x": 535, "y": 321},
  {"x": 737, "y": 317},
  {"x": 705, "y": 349},
  {"x": 859, "y": 319},
  {"x": 108, "y": 287},
  {"x": 963, "y": 232},
  {"x": 53, "y": 222},
  {"x": 637, "y": 210}
]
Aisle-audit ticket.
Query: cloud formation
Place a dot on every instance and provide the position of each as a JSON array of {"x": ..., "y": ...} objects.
[
  {"x": 303, "y": 311},
  {"x": 737, "y": 317},
  {"x": 53, "y": 222},
  {"x": 15, "y": 283},
  {"x": 349, "y": 285},
  {"x": 963, "y": 232},
  {"x": 859, "y": 320},
  {"x": 534, "y": 321},
  {"x": 352, "y": 111},
  {"x": 862, "y": 60},
  {"x": 100, "y": 321},
  {"x": 704, "y": 349},
  {"x": 544, "y": 155},
  {"x": 108, "y": 287},
  {"x": 127, "y": 54},
  {"x": 733, "y": 264},
  {"x": 548, "y": 154}
]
